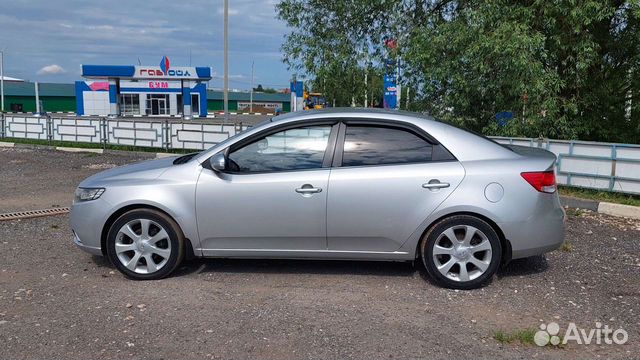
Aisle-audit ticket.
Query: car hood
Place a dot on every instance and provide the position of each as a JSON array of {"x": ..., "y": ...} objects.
[{"x": 146, "y": 170}]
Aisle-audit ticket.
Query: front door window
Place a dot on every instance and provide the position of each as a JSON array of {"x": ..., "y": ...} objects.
[{"x": 288, "y": 150}]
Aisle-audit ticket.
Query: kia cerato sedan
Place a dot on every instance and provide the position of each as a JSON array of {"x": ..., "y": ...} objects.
[{"x": 344, "y": 184}]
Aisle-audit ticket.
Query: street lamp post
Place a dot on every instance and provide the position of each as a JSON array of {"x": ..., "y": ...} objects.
[
  {"x": 251, "y": 93},
  {"x": 226, "y": 60},
  {"x": 2, "y": 80}
]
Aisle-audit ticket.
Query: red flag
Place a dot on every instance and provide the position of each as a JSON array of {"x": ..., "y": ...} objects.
[{"x": 391, "y": 43}]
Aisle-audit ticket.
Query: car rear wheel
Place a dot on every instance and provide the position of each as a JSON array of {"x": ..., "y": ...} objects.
[
  {"x": 461, "y": 252},
  {"x": 145, "y": 244}
]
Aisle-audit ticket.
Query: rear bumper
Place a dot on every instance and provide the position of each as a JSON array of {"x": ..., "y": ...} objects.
[{"x": 542, "y": 232}]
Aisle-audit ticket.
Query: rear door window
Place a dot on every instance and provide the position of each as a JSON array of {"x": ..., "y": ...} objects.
[{"x": 380, "y": 145}]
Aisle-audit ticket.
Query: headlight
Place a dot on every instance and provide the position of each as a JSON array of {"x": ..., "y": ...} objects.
[{"x": 86, "y": 194}]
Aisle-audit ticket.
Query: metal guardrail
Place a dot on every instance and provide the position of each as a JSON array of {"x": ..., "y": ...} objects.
[
  {"x": 595, "y": 165},
  {"x": 603, "y": 166},
  {"x": 161, "y": 133}
]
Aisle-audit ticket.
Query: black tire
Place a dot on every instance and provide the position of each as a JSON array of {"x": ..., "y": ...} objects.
[
  {"x": 434, "y": 234},
  {"x": 175, "y": 237}
]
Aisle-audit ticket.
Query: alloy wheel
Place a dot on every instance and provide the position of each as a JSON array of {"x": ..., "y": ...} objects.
[
  {"x": 143, "y": 246},
  {"x": 462, "y": 253}
]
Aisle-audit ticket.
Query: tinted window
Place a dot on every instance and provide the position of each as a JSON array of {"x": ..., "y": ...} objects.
[
  {"x": 294, "y": 149},
  {"x": 371, "y": 145}
]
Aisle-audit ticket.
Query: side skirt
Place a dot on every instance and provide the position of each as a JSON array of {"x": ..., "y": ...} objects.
[{"x": 307, "y": 254}]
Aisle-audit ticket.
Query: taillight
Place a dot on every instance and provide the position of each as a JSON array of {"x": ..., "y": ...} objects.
[{"x": 543, "y": 181}]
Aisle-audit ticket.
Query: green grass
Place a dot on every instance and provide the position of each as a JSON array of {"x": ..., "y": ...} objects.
[
  {"x": 93, "y": 145},
  {"x": 523, "y": 336},
  {"x": 599, "y": 195},
  {"x": 575, "y": 212},
  {"x": 566, "y": 247}
]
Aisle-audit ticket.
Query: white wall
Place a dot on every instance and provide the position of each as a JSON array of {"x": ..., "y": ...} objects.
[{"x": 96, "y": 103}]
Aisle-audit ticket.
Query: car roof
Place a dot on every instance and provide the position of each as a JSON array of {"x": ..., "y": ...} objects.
[
  {"x": 464, "y": 145},
  {"x": 352, "y": 112}
]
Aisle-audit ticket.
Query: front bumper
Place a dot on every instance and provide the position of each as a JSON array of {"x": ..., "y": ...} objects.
[
  {"x": 90, "y": 249},
  {"x": 87, "y": 219}
]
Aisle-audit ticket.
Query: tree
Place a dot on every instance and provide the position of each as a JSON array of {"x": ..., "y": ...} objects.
[
  {"x": 267, "y": 90},
  {"x": 565, "y": 69},
  {"x": 332, "y": 42}
]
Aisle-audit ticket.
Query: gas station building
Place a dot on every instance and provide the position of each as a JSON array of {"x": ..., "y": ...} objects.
[{"x": 123, "y": 90}]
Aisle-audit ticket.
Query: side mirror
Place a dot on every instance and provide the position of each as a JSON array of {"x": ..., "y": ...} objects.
[{"x": 218, "y": 162}]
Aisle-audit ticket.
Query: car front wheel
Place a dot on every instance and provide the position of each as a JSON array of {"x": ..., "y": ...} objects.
[
  {"x": 145, "y": 244},
  {"x": 461, "y": 252}
]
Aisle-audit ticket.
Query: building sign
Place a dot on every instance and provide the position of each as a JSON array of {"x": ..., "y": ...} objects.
[
  {"x": 268, "y": 105},
  {"x": 98, "y": 85},
  {"x": 153, "y": 85},
  {"x": 155, "y": 72},
  {"x": 390, "y": 92},
  {"x": 165, "y": 71},
  {"x": 158, "y": 84}
]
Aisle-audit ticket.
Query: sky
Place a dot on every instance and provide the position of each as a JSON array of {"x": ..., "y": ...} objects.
[{"x": 47, "y": 41}]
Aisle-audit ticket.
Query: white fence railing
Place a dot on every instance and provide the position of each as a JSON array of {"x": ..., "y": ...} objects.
[
  {"x": 594, "y": 165},
  {"x": 604, "y": 166},
  {"x": 160, "y": 133}
]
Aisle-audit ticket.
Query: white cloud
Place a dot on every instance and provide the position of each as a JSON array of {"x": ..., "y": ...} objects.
[{"x": 51, "y": 70}]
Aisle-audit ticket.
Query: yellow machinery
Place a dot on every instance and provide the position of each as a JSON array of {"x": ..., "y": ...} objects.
[{"x": 314, "y": 101}]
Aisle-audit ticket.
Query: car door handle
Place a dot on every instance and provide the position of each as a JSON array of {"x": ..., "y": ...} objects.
[
  {"x": 435, "y": 184},
  {"x": 308, "y": 189}
]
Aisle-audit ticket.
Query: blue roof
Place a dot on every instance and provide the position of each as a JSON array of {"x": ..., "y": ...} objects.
[
  {"x": 108, "y": 70},
  {"x": 129, "y": 71}
]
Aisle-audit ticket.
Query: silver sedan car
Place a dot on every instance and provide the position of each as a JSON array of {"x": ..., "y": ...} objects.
[{"x": 350, "y": 184}]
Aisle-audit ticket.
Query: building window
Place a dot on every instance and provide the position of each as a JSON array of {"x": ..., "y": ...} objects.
[
  {"x": 130, "y": 104},
  {"x": 157, "y": 104},
  {"x": 195, "y": 104}
]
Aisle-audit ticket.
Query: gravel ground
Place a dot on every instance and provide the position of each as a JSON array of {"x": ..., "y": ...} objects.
[
  {"x": 57, "y": 301},
  {"x": 41, "y": 179}
]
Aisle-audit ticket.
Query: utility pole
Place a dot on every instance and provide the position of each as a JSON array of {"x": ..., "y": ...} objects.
[
  {"x": 37, "y": 89},
  {"x": 398, "y": 87},
  {"x": 407, "y": 106},
  {"x": 366, "y": 91},
  {"x": 251, "y": 93},
  {"x": 226, "y": 60},
  {"x": 2, "y": 79}
]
